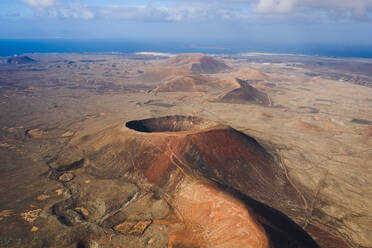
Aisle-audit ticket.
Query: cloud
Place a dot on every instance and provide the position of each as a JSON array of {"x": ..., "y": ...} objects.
[
  {"x": 40, "y": 3},
  {"x": 133, "y": 13},
  {"x": 358, "y": 9},
  {"x": 72, "y": 11},
  {"x": 178, "y": 12},
  {"x": 275, "y": 6},
  {"x": 61, "y": 9},
  {"x": 199, "y": 10},
  {"x": 150, "y": 13}
]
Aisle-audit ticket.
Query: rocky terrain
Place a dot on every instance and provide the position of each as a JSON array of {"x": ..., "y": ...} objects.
[
  {"x": 135, "y": 150},
  {"x": 17, "y": 60}
]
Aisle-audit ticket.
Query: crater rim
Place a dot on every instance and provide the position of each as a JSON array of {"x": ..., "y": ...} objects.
[{"x": 171, "y": 124}]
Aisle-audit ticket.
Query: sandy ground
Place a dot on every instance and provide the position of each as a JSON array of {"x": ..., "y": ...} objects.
[{"x": 319, "y": 124}]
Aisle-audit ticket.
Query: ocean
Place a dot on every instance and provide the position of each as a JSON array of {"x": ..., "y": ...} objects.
[{"x": 9, "y": 47}]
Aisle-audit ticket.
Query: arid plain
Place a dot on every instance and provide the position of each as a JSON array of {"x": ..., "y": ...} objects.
[{"x": 159, "y": 150}]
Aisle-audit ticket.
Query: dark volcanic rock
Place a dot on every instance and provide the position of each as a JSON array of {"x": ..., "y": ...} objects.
[
  {"x": 360, "y": 121},
  {"x": 20, "y": 60}
]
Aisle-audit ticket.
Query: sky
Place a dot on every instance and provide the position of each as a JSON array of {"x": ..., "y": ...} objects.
[{"x": 193, "y": 21}]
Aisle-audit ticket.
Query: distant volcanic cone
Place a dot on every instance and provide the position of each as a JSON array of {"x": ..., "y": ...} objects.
[
  {"x": 19, "y": 60},
  {"x": 208, "y": 173},
  {"x": 246, "y": 94},
  {"x": 198, "y": 63}
]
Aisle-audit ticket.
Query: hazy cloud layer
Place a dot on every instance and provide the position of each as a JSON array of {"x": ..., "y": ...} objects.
[
  {"x": 74, "y": 11},
  {"x": 146, "y": 13},
  {"x": 40, "y": 3},
  {"x": 358, "y": 9},
  {"x": 275, "y": 6},
  {"x": 181, "y": 10}
]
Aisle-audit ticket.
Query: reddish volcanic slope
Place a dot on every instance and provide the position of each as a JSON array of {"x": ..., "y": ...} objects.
[
  {"x": 246, "y": 93},
  {"x": 209, "y": 174}
]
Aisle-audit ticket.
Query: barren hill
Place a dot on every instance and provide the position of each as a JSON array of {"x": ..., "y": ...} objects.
[
  {"x": 187, "y": 161},
  {"x": 19, "y": 60},
  {"x": 82, "y": 166},
  {"x": 198, "y": 63},
  {"x": 246, "y": 93}
]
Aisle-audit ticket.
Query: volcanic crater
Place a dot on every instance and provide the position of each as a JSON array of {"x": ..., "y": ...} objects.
[
  {"x": 191, "y": 162},
  {"x": 175, "y": 123},
  {"x": 77, "y": 171}
]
